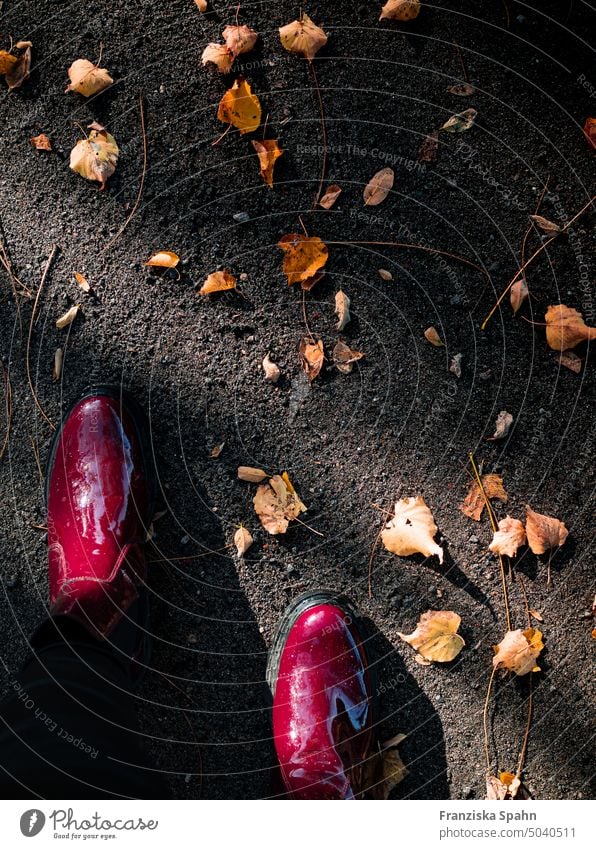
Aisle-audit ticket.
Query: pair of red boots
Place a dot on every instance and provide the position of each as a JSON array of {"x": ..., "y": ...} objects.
[{"x": 100, "y": 500}]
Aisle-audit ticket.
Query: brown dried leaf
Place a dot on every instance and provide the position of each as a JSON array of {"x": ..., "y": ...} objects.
[
  {"x": 510, "y": 536},
  {"x": 268, "y": 152},
  {"x": 7, "y": 61},
  {"x": 242, "y": 540},
  {"x": 163, "y": 259},
  {"x": 303, "y": 36},
  {"x": 342, "y": 309},
  {"x": 384, "y": 770},
  {"x": 344, "y": 357},
  {"x": 304, "y": 257},
  {"x": 330, "y": 196},
  {"x": 96, "y": 157},
  {"x": 379, "y": 187},
  {"x": 216, "y": 450},
  {"x": 312, "y": 356},
  {"x": 565, "y": 328},
  {"x": 535, "y": 614},
  {"x": 570, "y": 360},
  {"x": 240, "y": 107},
  {"x": 18, "y": 73},
  {"x": 57, "y": 367},
  {"x": 41, "y": 142},
  {"x": 436, "y": 637},
  {"x": 460, "y": 122},
  {"x": 429, "y": 149},
  {"x": 251, "y": 474},
  {"x": 411, "y": 530},
  {"x": 68, "y": 317},
  {"x": 545, "y": 225},
  {"x": 519, "y": 293},
  {"x": 272, "y": 371},
  {"x": 239, "y": 39},
  {"x": 473, "y": 504},
  {"x": 518, "y": 650},
  {"x": 384, "y": 274},
  {"x": 432, "y": 336},
  {"x": 218, "y": 281},
  {"x": 544, "y": 532},
  {"x": 502, "y": 426},
  {"x": 277, "y": 504},
  {"x": 87, "y": 79},
  {"x": 400, "y": 10},
  {"x": 461, "y": 89},
  {"x": 218, "y": 55}
]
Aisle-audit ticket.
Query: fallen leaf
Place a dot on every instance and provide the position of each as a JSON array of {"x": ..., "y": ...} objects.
[
  {"x": 57, "y": 367},
  {"x": 268, "y": 152},
  {"x": 433, "y": 337},
  {"x": 303, "y": 36},
  {"x": 312, "y": 356},
  {"x": 379, "y": 187},
  {"x": 242, "y": 540},
  {"x": 218, "y": 281},
  {"x": 502, "y": 426},
  {"x": 510, "y": 536},
  {"x": 18, "y": 73},
  {"x": 518, "y": 650},
  {"x": 250, "y": 474},
  {"x": 272, "y": 371},
  {"x": 384, "y": 274},
  {"x": 400, "y": 10},
  {"x": 473, "y": 504},
  {"x": 570, "y": 360},
  {"x": 96, "y": 157},
  {"x": 277, "y": 504},
  {"x": 330, "y": 196},
  {"x": 544, "y": 532},
  {"x": 239, "y": 39},
  {"x": 519, "y": 293},
  {"x": 460, "y": 122},
  {"x": 411, "y": 530},
  {"x": 535, "y": 614},
  {"x": 87, "y": 79},
  {"x": 41, "y": 142},
  {"x": 344, "y": 357},
  {"x": 163, "y": 259},
  {"x": 461, "y": 89},
  {"x": 7, "y": 61},
  {"x": 429, "y": 148},
  {"x": 201, "y": 5},
  {"x": 342, "y": 309},
  {"x": 565, "y": 328},
  {"x": 218, "y": 55},
  {"x": 455, "y": 365},
  {"x": 436, "y": 637},
  {"x": 384, "y": 770},
  {"x": 545, "y": 225},
  {"x": 240, "y": 107},
  {"x": 82, "y": 281},
  {"x": 590, "y": 131},
  {"x": 68, "y": 317},
  {"x": 216, "y": 450},
  {"x": 495, "y": 789},
  {"x": 304, "y": 257}
]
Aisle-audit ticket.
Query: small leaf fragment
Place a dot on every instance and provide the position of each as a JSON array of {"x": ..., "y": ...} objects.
[
  {"x": 41, "y": 142},
  {"x": 461, "y": 89},
  {"x": 163, "y": 259},
  {"x": 87, "y": 79},
  {"x": 548, "y": 227},
  {"x": 400, "y": 10},
  {"x": 18, "y": 73},
  {"x": 435, "y": 636},
  {"x": 82, "y": 281},
  {"x": 411, "y": 530},
  {"x": 268, "y": 152},
  {"x": 57, "y": 367},
  {"x": 242, "y": 540},
  {"x": 502, "y": 426},
  {"x": 218, "y": 55},
  {"x": 570, "y": 360},
  {"x": 460, "y": 122},
  {"x": 455, "y": 365},
  {"x": 429, "y": 148},
  {"x": 431, "y": 334},
  {"x": 251, "y": 474},
  {"x": 378, "y": 187},
  {"x": 342, "y": 309},
  {"x": 344, "y": 357},
  {"x": 68, "y": 317},
  {"x": 216, "y": 450},
  {"x": 218, "y": 281},
  {"x": 384, "y": 274},
  {"x": 509, "y": 537},
  {"x": 590, "y": 132},
  {"x": 303, "y": 36},
  {"x": 330, "y": 196},
  {"x": 272, "y": 371},
  {"x": 312, "y": 357},
  {"x": 201, "y": 5},
  {"x": 519, "y": 293},
  {"x": 544, "y": 532}
]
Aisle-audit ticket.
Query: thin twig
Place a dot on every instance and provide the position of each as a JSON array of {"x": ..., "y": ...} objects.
[
  {"x": 484, "y": 719},
  {"x": 530, "y": 226},
  {"x": 461, "y": 61},
  {"x": 7, "y": 407},
  {"x": 323, "y": 133},
  {"x": 304, "y": 315},
  {"x": 27, "y": 362},
  {"x": 528, "y": 262},
  {"x": 143, "y": 175},
  {"x": 308, "y": 527}
]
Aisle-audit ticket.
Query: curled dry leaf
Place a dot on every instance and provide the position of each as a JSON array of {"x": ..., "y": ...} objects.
[
  {"x": 216, "y": 450},
  {"x": 96, "y": 157},
  {"x": 87, "y": 79},
  {"x": 330, "y": 196},
  {"x": 239, "y": 39},
  {"x": 429, "y": 148},
  {"x": 400, "y": 10},
  {"x": 57, "y": 367},
  {"x": 570, "y": 360},
  {"x": 384, "y": 770},
  {"x": 433, "y": 337},
  {"x": 460, "y": 122},
  {"x": 510, "y": 536},
  {"x": 436, "y": 637},
  {"x": 378, "y": 187},
  {"x": 268, "y": 152},
  {"x": 461, "y": 89},
  {"x": 342, "y": 309},
  {"x": 344, "y": 357},
  {"x": 272, "y": 371},
  {"x": 565, "y": 328},
  {"x": 163, "y": 259},
  {"x": 518, "y": 650},
  {"x": 68, "y": 317},
  {"x": 304, "y": 257},
  {"x": 18, "y": 72},
  {"x": 544, "y": 532},
  {"x": 412, "y": 530},
  {"x": 240, "y": 107},
  {"x": 303, "y": 36},
  {"x": 455, "y": 365},
  {"x": 473, "y": 504},
  {"x": 218, "y": 281},
  {"x": 276, "y": 504},
  {"x": 590, "y": 132},
  {"x": 312, "y": 356},
  {"x": 82, "y": 281},
  {"x": 41, "y": 142},
  {"x": 218, "y": 55},
  {"x": 384, "y": 274},
  {"x": 250, "y": 474},
  {"x": 502, "y": 426},
  {"x": 495, "y": 789},
  {"x": 519, "y": 293},
  {"x": 242, "y": 540},
  {"x": 548, "y": 227}
]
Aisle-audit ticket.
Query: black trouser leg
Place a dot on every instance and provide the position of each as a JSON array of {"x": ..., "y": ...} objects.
[{"x": 68, "y": 730}]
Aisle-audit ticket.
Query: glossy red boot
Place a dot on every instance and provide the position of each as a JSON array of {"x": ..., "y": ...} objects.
[
  {"x": 99, "y": 496},
  {"x": 322, "y": 698}
]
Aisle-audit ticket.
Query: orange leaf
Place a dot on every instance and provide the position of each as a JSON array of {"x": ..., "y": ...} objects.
[
  {"x": 218, "y": 281},
  {"x": 400, "y": 10},
  {"x": 16, "y": 75},
  {"x": 82, "y": 281},
  {"x": 379, "y": 187},
  {"x": 312, "y": 356},
  {"x": 268, "y": 152},
  {"x": 163, "y": 259},
  {"x": 240, "y": 107},
  {"x": 41, "y": 142},
  {"x": 303, "y": 37},
  {"x": 590, "y": 131},
  {"x": 565, "y": 328},
  {"x": 473, "y": 504},
  {"x": 304, "y": 258},
  {"x": 431, "y": 335},
  {"x": 7, "y": 61}
]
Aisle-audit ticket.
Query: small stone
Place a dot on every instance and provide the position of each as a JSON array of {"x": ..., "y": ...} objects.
[
  {"x": 241, "y": 217},
  {"x": 11, "y": 582},
  {"x": 185, "y": 540},
  {"x": 290, "y": 570},
  {"x": 474, "y": 539}
]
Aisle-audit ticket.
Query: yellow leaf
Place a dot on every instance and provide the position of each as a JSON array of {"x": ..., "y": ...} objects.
[
  {"x": 400, "y": 10},
  {"x": 565, "y": 328},
  {"x": 41, "y": 142},
  {"x": 218, "y": 281},
  {"x": 378, "y": 187},
  {"x": 518, "y": 650},
  {"x": 510, "y": 536},
  {"x": 268, "y": 152},
  {"x": 303, "y": 36},
  {"x": 473, "y": 504},
  {"x": 342, "y": 309},
  {"x": 304, "y": 258},
  {"x": 240, "y": 107},
  {"x": 312, "y": 356},
  {"x": 163, "y": 259},
  {"x": 436, "y": 637},
  {"x": 250, "y": 474},
  {"x": 276, "y": 504},
  {"x": 68, "y": 317},
  {"x": 433, "y": 337},
  {"x": 239, "y": 39},
  {"x": 96, "y": 157},
  {"x": 87, "y": 79},
  {"x": 330, "y": 196},
  {"x": 544, "y": 532},
  {"x": 243, "y": 541},
  {"x": 412, "y": 530}
]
